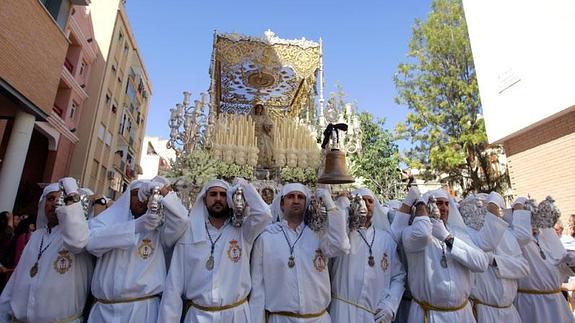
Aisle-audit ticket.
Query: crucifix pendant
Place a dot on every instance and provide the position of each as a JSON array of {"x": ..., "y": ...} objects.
[
  {"x": 371, "y": 261},
  {"x": 291, "y": 261},
  {"x": 210, "y": 263},
  {"x": 34, "y": 270},
  {"x": 443, "y": 261}
]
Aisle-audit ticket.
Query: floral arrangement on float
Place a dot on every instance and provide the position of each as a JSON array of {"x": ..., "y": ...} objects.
[{"x": 307, "y": 176}]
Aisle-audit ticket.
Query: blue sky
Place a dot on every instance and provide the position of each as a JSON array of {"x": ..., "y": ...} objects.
[{"x": 364, "y": 41}]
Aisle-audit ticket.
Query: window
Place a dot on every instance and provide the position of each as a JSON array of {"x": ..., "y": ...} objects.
[
  {"x": 123, "y": 124},
  {"x": 83, "y": 68},
  {"x": 131, "y": 92},
  {"x": 126, "y": 48},
  {"x": 120, "y": 35},
  {"x": 108, "y": 138},
  {"x": 73, "y": 110},
  {"x": 114, "y": 68},
  {"x": 101, "y": 131},
  {"x": 58, "y": 9},
  {"x": 129, "y": 125}
]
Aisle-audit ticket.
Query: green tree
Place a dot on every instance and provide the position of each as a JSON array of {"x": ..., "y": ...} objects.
[
  {"x": 378, "y": 161},
  {"x": 438, "y": 84}
]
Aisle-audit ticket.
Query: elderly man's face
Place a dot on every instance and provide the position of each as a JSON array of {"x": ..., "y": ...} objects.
[
  {"x": 293, "y": 204},
  {"x": 558, "y": 229},
  {"x": 50, "y": 207},
  {"x": 443, "y": 206},
  {"x": 216, "y": 202},
  {"x": 370, "y": 204}
]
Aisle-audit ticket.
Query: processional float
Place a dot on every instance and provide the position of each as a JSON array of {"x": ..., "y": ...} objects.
[{"x": 263, "y": 117}]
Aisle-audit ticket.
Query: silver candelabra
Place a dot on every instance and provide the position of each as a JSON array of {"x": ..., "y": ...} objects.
[{"x": 189, "y": 125}]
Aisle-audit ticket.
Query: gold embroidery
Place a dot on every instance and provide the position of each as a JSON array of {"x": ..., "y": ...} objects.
[
  {"x": 234, "y": 251},
  {"x": 63, "y": 262},
  {"x": 146, "y": 250},
  {"x": 384, "y": 262},
  {"x": 319, "y": 261}
]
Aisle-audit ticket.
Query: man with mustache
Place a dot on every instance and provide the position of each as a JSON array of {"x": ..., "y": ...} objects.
[
  {"x": 52, "y": 279},
  {"x": 210, "y": 266}
]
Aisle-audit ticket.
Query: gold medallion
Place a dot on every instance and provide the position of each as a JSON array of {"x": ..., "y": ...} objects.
[
  {"x": 146, "y": 250},
  {"x": 234, "y": 251},
  {"x": 34, "y": 270},
  {"x": 63, "y": 262},
  {"x": 319, "y": 261},
  {"x": 384, "y": 262}
]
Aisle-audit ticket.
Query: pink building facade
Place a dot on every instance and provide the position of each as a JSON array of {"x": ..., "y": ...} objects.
[{"x": 71, "y": 94}]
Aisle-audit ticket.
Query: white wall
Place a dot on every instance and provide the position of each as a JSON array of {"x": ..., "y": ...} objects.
[
  {"x": 150, "y": 163},
  {"x": 104, "y": 14},
  {"x": 524, "y": 53}
]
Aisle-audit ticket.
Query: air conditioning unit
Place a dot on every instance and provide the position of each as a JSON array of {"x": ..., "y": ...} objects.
[{"x": 111, "y": 174}]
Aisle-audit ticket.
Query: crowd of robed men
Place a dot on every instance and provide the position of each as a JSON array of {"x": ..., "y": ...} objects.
[{"x": 131, "y": 264}]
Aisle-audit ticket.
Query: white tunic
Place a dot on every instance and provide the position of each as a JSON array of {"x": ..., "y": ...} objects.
[
  {"x": 353, "y": 280},
  {"x": 498, "y": 285},
  {"x": 132, "y": 265},
  {"x": 429, "y": 282},
  {"x": 227, "y": 283},
  {"x": 305, "y": 288},
  {"x": 400, "y": 222},
  {"x": 60, "y": 288},
  {"x": 546, "y": 275}
]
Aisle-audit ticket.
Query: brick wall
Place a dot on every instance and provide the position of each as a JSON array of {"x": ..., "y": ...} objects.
[
  {"x": 32, "y": 50},
  {"x": 542, "y": 162}
]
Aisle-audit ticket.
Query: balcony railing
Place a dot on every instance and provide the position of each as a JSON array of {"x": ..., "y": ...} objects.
[
  {"x": 58, "y": 111},
  {"x": 68, "y": 65}
]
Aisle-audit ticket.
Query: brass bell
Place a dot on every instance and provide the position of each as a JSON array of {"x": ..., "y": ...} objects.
[{"x": 335, "y": 171}]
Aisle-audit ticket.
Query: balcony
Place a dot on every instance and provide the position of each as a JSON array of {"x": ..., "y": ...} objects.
[
  {"x": 71, "y": 82},
  {"x": 69, "y": 66},
  {"x": 58, "y": 111}
]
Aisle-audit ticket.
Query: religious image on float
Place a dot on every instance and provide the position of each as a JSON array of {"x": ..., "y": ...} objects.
[{"x": 262, "y": 120}]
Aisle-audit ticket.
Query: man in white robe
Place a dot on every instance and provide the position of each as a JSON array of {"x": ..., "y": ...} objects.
[
  {"x": 129, "y": 240},
  {"x": 290, "y": 278},
  {"x": 367, "y": 284},
  {"x": 539, "y": 297},
  {"x": 440, "y": 259},
  {"x": 494, "y": 290},
  {"x": 399, "y": 221},
  {"x": 51, "y": 281},
  {"x": 210, "y": 266}
]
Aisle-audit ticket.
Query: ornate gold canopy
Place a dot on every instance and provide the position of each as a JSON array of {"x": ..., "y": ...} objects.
[{"x": 280, "y": 74}]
